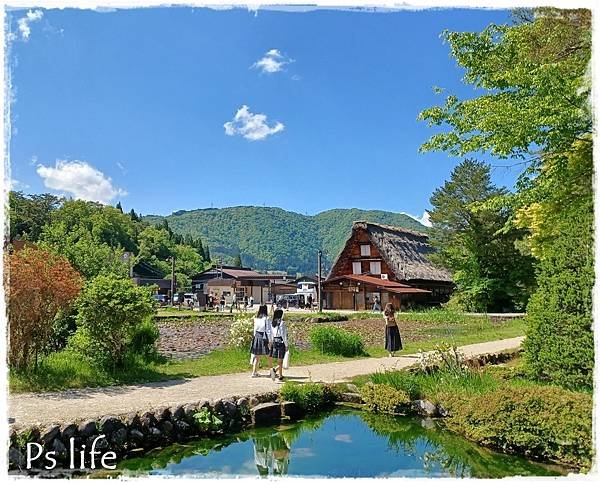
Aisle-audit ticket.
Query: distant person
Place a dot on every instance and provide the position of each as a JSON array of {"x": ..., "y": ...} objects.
[
  {"x": 245, "y": 302},
  {"x": 376, "y": 305},
  {"x": 251, "y": 301},
  {"x": 261, "y": 339},
  {"x": 222, "y": 303},
  {"x": 310, "y": 302},
  {"x": 279, "y": 343},
  {"x": 393, "y": 342}
]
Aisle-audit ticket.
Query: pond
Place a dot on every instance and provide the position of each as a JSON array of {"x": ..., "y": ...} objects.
[{"x": 345, "y": 443}]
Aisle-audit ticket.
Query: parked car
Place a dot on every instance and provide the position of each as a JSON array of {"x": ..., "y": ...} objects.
[
  {"x": 162, "y": 299},
  {"x": 188, "y": 299}
]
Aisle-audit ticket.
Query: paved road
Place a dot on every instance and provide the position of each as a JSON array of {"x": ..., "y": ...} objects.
[{"x": 69, "y": 406}]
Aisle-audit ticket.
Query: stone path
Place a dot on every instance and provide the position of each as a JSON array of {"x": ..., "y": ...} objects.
[{"x": 69, "y": 406}]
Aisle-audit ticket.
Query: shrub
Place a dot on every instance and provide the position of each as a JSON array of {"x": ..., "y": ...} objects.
[
  {"x": 546, "y": 422},
  {"x": 207, "y": 421},
  {"x": 144, "y": 338},
  {"x": 384, "y": 398},
  {"x": 40, "y": 284},
  {"x": 334, "y": 341},
  {"x": 560, "y": 343},
  {"x": 110, "y": 309},
  {"x": 241, "y": 333},
  {"x": 310, "y": 397}
]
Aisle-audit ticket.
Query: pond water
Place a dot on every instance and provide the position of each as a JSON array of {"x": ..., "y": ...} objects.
[{"x": 344, "y": 443}]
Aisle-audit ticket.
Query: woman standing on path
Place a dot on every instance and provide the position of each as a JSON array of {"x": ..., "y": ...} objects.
[
  {"x": 279, "y": 343},
  {"x": 393, "y": 342},
  {"x": 261, "y": 339}
]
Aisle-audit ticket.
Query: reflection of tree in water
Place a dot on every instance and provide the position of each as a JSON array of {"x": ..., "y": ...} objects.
[{"x": 453, "y": 453}]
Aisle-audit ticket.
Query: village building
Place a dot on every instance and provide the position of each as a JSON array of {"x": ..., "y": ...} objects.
[
  {"x": 388, "y": 263},
  {"x": 232, "y": 281}
]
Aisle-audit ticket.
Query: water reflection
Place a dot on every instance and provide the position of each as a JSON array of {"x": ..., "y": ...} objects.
[{"x": 342, "y": 444}]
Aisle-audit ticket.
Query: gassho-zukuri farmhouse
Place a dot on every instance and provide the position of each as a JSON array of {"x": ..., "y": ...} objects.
[{"x": 388, "y": 263}]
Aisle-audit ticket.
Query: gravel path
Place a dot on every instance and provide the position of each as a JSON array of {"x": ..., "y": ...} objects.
[{"x": 69, "y": 406}]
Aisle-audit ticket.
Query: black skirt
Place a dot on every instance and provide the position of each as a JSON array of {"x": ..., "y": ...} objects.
[
  {"x": 259, "y": 344},
  {"x": 392, "y": 338},
  {"x": 278, "y": 348}
]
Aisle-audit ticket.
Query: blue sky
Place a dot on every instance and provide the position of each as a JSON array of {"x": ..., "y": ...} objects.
[{"x": 182, "y": 108}]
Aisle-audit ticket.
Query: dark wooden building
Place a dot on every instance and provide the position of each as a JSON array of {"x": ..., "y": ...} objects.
[{"x": 390, "y": 263}]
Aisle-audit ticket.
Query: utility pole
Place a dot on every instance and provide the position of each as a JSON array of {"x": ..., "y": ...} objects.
[
  {"x": 172, "y": 258},
  {"x": 319, "y": 289}
]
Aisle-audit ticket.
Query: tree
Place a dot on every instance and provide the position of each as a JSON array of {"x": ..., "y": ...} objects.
[
  {"x": 237, "y": 261},
  {"x": 39, "y": 284},
  {"x": 91, "y": 236},
  {"x": 489, "y": 271},
  {"x": 29, "y": 213},
  {"x": 110, "y": 309},
  {"x": 536, "y": 107},
  {"x": 119, "y": 207}
]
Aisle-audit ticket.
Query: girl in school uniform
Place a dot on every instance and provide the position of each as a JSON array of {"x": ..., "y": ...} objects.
[
  {"x": 261, "y": 339},
  {"x": 393, "y": 342},
  {"x": 279, "y": 343}
]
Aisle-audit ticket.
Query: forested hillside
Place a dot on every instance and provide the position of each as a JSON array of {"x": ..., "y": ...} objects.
[{"x": 272, "y": 238}]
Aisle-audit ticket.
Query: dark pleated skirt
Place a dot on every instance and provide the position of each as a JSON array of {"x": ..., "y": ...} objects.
[
  {"x": 259, "y": 344},
  {"x": 278, "y": 349},
  {"x": 392, "y": 339}
]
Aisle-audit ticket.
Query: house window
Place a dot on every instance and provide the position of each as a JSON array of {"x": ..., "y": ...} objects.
[
  {"x": 365, "y": 250},
  {"x": 356, "y": 268},
  {"x": 375, "y": 267}
]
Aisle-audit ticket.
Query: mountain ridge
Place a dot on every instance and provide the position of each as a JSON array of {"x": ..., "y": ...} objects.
[{"x": 275, "y": 238}]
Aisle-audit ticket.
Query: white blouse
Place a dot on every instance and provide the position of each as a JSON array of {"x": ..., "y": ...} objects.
[
  {"x": 262, "y": 325},
  {"x": 279, "y": 330}
]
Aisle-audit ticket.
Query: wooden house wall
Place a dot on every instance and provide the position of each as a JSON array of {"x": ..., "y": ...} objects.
[{"x": 351, "y": 253}]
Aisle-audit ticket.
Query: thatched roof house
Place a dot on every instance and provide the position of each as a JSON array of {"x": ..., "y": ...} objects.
[{"x": 388, "y": 263}]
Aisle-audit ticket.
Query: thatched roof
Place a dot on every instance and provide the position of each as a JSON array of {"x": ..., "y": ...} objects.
[{"x": 405, "y": 252}]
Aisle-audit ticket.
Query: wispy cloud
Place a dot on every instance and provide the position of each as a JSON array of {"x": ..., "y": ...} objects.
[
  {"x": 273, "y": 61},
  {"x": 424, "y": 219},
  {"x": 24, "y": 23},
  {"x": 251, "y": 126},
  {"x": 80, "y": 179}
]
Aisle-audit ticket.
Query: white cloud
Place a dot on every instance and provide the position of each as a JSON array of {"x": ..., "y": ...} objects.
[
  {"x": 24, "y": 22},
  {"x": 273, "y": 61},
  {"x": 80, "y": 179},
  {"x": 424, "y": 219},
  {"x": 14, "y": 184},
  {"x": 251, "y": 126}
]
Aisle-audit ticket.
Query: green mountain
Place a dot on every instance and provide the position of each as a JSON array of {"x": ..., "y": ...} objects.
[{"x": 273, "y": 238}]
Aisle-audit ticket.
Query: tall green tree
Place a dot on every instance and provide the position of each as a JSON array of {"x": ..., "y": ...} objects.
[
  {"x": 490, "y": 273},
  {"x": 29, "y": 213},
  {"x": 535, "y": 108}
]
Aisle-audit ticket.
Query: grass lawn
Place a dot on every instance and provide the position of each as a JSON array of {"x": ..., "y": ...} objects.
[{"x": 64, "y": 370}]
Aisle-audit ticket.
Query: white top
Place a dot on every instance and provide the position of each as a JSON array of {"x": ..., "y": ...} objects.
[
  {"x": 262, "y": 325},
  {"x": 279, "y": 330}
]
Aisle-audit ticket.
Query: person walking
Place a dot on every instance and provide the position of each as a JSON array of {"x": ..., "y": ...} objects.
[
  {"x": 222, "y": 303},
  {"x": 261, "y": 339},
  {"x": 376, "y": 305},
  {"x": 279, "y": 343},
  {"x": 393, "y": 342}
]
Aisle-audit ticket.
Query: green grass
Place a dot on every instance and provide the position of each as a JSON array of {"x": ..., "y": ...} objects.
[{"x": 64, "y": 370}]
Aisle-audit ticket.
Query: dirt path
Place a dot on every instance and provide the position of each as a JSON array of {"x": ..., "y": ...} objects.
[{"x": 68, "y": 406}]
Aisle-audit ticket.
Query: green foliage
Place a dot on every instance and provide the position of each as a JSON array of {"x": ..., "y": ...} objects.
[
  {"x": 334, "y": 341},
  {"x": 490, "y": 272},
  {"x": 537, "y": 85},
  {"x": 560, "y": 340},
  {"x": 310, "y": 397},
  {"x": 384, "y": 398},
  {"x": 544, "y": 422},
  {"x": 207, "y": 421},
  {"x": 536, "y": 106},
  {"x": 29, "y": 213},
  {"x": 272, "y": 238},
  {"x": 144, "y": 338},
  {"x": 110, "y": 310}
]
